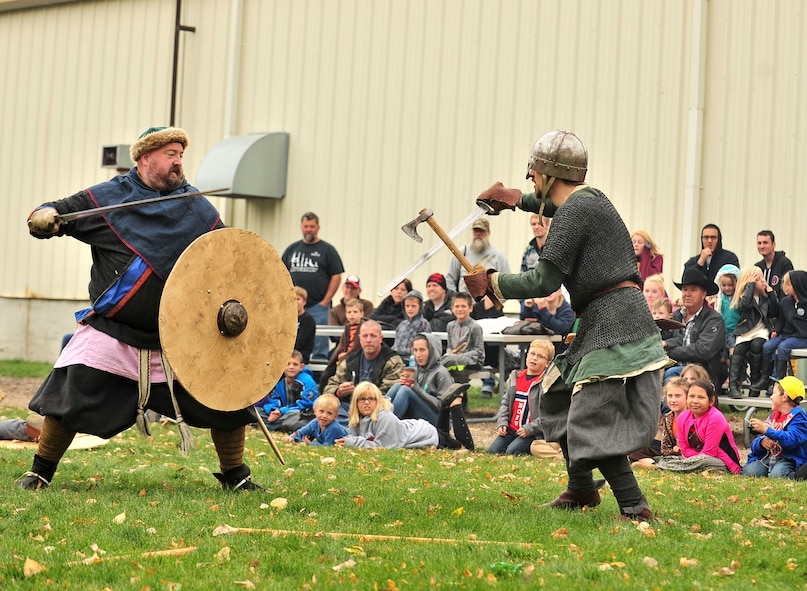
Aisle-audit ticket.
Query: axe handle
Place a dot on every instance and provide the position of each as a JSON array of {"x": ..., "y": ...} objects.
[{"x": 458, "y": 253}]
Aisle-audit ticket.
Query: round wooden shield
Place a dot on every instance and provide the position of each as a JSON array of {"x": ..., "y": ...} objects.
[{"x": 228, "y": 318}]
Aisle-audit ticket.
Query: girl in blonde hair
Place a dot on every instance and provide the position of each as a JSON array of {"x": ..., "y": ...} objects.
[
  {"x": 648, "y": 258},
  {"x": 757, "y": 304},
  {"x": 371, "y": 423}
]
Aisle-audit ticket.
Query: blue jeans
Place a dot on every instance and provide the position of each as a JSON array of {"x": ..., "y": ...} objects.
[
  {"x": 406, "y": 404},
  {"x": 511, "y": 444},
  {"x": 780, "y": 348},
  {"x": 14, "y": 429},
  {"x": 771, "y": 467},
  {"x": 321, "y": 344}
]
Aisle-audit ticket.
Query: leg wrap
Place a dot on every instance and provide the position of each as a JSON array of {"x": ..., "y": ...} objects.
[
  {"x": 229, "y": 447},
  {"x": 53, "y": 441}
]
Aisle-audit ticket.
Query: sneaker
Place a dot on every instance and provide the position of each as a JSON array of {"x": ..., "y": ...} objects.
[
  {"x": 32, "y": 481},
  {"x": 486, "y": 393}
]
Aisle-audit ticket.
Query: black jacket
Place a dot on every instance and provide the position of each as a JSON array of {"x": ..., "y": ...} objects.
[{"x": 706, "y": 341}]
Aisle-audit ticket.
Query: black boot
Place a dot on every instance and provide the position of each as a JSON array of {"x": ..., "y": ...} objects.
[
  {"x": 781, "y": 368},
  {"x": 760, "y": 370},
  {"x": 40, "y": 474},
  {"x": 237, "y": 479},
  {"x": 640, "y": 512},
  {"x": 736, "y": 375}
]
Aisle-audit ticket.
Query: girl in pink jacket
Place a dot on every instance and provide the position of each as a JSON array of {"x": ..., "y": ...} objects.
[{"x": 704, "y": 434}]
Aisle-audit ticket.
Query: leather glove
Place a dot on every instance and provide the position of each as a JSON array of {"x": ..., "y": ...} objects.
[
  {"x": 499, "y": 197},
  {"x": 43, "y": 221},
  {"x": 478, "y": 282}
]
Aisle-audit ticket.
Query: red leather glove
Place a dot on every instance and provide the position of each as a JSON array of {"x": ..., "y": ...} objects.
[
  {"x": 478, "y": 282},
  {"x": 498, "y": 198}
]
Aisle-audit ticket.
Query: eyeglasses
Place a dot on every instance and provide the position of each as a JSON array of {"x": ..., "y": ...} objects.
[
  {"x": 360, "y": 400},
  {"x": 541, "y": 356}
]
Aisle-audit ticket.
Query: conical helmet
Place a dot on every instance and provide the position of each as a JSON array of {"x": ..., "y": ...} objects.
[{"x": 560, "y": 154}]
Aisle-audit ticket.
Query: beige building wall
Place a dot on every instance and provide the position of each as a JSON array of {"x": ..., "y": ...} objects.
[{"x": 690, "y": 110}]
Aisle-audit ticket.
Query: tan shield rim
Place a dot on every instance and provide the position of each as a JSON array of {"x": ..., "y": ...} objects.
[{"x": 228, "y": 370}]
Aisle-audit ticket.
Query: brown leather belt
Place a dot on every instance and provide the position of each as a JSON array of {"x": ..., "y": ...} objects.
[{"x": 602, "y": 292}]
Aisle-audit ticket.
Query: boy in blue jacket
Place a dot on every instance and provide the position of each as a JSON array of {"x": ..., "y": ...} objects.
[
  {"x": 780, "y": 449},
  {"x": 289, "y": 405}
]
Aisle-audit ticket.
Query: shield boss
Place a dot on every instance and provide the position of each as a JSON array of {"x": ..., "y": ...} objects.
[{"x": 228, "y": 318}]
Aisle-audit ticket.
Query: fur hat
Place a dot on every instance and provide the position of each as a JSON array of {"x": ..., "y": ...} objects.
[{"x": 157, "y": 137}]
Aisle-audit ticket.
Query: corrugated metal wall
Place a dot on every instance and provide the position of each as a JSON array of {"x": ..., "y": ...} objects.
[{"x": 395, "y": 106}]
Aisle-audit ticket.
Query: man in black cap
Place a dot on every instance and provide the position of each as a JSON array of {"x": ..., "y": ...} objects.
[
  {"x": 702, "y": 339},
  {"x": 112, "y": 369}
]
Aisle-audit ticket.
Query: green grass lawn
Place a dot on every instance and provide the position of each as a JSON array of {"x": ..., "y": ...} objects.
[
  {"x": 134, "y": 514},
  {"x": 15, "y": 368}
]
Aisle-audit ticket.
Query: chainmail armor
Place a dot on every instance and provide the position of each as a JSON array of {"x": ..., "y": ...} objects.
[{"x": 591, "y": 246}]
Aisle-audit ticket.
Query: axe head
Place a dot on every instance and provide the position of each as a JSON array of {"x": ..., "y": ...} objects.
[{"x": 411, "y": 228}]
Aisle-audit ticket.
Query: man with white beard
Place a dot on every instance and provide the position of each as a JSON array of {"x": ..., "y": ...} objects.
[{"x": 479, "y": 253}]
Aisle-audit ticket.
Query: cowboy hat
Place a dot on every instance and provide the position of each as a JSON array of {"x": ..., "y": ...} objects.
[{"x": 693, "y": 276}]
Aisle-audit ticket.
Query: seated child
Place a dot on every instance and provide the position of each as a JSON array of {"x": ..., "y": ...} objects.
[
  {"x": 666, "y": 443},
  {"x": 306, "y": 326},
  {"x": 348, "y": 342},
  {"x": 780, "y": 449},
  {"x": 704, "y": 435},
  {"x": 790, "y": 329},
  {"x": 413, "y": 324},
  {"x": 418, "y": 396},
  {"x": 663, "y": 309},
  {"x": 758, "y": 305},
  {"x": 371, "y": 423},
  {"x": 324, "y": 429},
  {"x": 288, "y": 406},
  {"x": 518, "y": 418},
  {"x": 466, "y": 344}
]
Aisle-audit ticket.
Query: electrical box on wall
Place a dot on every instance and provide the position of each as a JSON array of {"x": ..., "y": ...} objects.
[
  {"x": 116, "y": 157},
  {"x": 252, "y": 165}
]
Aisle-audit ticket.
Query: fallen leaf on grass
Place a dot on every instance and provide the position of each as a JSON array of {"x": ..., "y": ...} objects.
[
  {"x": 279, "y": 503},
  {"x": 510, "y": 497},
  {"x": 650, "y": 562},
  {"x": 723, "y": 572},
  {"x": 327, "y": 460},
  {"x": 560, "y": 533},
  {"x": 32, "y": 567},
  {"x": 458, "y": 511},
  {"x": 119, "y": 518},
  {"x": 245, "y": 584},
  {"x": 346, "y": 564},
  {"x": 687, "y": 562},
  {"x": 223, "y": 554}
]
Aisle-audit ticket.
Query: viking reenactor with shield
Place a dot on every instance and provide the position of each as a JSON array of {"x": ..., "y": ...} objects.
[
  {"x": 613, "y": 364},
  {"x": 128, "y": 346}
]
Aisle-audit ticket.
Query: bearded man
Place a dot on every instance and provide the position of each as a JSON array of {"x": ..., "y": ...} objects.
[
  {"x": 112, "y": 369},
  {"x": 479, "y": 253}
]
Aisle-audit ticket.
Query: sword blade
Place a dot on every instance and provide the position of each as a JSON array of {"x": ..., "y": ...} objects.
[
  {"x": 69, "y": 217},
  {"x": 478, "y": 212}
]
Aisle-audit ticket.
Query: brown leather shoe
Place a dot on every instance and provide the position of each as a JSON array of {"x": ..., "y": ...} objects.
[{"x": 572, "y": 499}]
